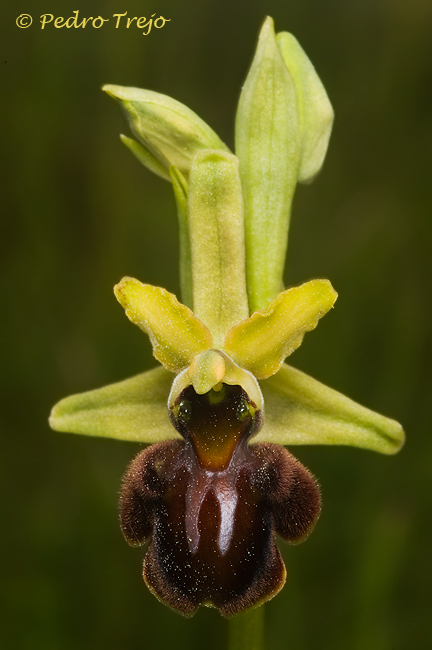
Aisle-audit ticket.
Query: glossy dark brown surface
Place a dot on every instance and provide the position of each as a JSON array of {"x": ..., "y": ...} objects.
[{"x": 212, "y": 505}]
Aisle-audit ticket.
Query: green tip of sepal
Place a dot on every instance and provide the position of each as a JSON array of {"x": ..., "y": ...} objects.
[
  {"x": 134, "y": 409},
  {"x": 315, "y": 111},
  {"x": 303, "y": 411}
]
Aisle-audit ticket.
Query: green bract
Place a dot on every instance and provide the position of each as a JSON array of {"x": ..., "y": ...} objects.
[
  {"x": 268, "y": 144},
  {"x": 234, "y": 215}
]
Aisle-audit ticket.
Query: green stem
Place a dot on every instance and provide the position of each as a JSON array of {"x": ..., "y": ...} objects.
[
  {"x": 246, "y": 631},
  {"x": 180, "y": 187}
]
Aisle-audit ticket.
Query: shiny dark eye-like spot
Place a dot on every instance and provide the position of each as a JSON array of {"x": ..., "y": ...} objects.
[
  {"x": 243, "y": 410},
  {"x": 185, "y": 410}
]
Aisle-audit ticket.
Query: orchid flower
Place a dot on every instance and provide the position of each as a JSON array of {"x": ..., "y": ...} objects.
[{"x": 216, "y": 483}]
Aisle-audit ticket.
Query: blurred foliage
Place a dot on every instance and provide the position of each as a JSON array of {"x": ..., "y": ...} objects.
[{"x": 79, "y": 213}]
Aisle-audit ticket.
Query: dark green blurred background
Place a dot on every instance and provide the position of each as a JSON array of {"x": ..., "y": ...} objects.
[{"x": 79, "y": 213}]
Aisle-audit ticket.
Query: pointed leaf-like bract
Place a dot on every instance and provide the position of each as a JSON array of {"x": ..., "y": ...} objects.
[
  {"x": 262, "y": 342},
  {"x": 268, "y": 143},
  {"x": 315, "y": 111},
  {"x": 216, "y": 230},
  {"x": 176, "y": 335},
  {"x": 134, "y": 410},
  {"x": 168, "y": 129},
  {"x": 302, "y": 411}
]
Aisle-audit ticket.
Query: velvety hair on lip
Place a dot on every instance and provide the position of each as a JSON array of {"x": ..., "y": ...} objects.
[{"x": 211, "y": 504}]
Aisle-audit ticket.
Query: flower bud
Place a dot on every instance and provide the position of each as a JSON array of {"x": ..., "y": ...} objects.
[
  {"x": 145, "y": 157},
  {"x": 315, "y": 111},
  {"x": 170, "y": 131}
]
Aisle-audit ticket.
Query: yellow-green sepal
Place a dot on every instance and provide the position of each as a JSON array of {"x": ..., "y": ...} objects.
[
  {"x": 268, "y": 145},
  {"x": 262, "y": 342},
  {"x": 134, "y": 409},
  {"x": 302, "y": 411},
  {"x": 315, "y": 111},
  {"x": 167, "y": 128},
  {"x": 176, "y": 335}
]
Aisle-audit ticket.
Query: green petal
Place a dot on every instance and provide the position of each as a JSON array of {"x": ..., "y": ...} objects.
[
  {"x": 134, "y": 410},
  {"x": 145, "y": 157},
  {"x": 180, "y": 187},
  {"x": 168, "y": 129},
  {"x": 316, "y": 112},
  {"x": 176, "y": 335},
  {"x": 262, "y": 342},
  {"x": 302, "y": 411},
  {"x": 216, "y": 229},
  {"x": 268, "y": 142}
]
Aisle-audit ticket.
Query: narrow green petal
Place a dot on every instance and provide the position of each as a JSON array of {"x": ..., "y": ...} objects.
[
  {"x": 262, "y": 342},
  {"x": 316, "y": 112},
  {"x": 180, "y": 187},
  {"x": 168, "y": 129},
  {"x": 145, "y": 157},
  {"x": 268, "y": 147},
  {"x": 134, "y": 410},
  {"x": 302, "y": 411},
  {"x": 176, "y": 335},
  {"x": 216, "y": 229}
]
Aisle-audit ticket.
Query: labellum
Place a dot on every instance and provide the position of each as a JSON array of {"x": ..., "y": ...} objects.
[{"x": 212, "y": 504}]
